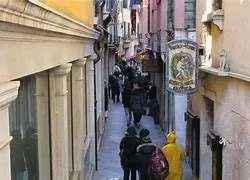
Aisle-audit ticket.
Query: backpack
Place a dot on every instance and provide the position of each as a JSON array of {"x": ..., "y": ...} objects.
[{"x": 159, "y": 167}]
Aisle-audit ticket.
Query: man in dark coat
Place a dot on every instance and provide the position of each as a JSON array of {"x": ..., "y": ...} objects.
[
  {"x": 126, "y": 101},
  {"x": 115, "y": 89},
  {"x": 128, "y": 148},
  {"x": 137, "y": 103}
]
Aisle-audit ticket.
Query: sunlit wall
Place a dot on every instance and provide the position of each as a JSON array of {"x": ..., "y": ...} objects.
[{"x": 81, "y": 10}]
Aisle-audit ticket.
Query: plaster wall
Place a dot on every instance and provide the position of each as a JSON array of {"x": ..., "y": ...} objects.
[
  {"x": 236, "y": 28},
  {"x": 179, "y": 14},
  {"x": 231, "y": 121},
  {"x": 81, "y": 10},
  {"x": 200, "y": 9},
  {"x": 23, "y": 54},
  {"x": 232, "y": 38}
]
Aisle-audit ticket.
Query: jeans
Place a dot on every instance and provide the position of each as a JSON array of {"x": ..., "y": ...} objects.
[
  {"x": 128, "y": 171},
  {"x": 128, "y": 115}
]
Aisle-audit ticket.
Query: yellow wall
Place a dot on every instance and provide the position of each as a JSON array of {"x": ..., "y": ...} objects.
[{"x": 81, "y": 10}]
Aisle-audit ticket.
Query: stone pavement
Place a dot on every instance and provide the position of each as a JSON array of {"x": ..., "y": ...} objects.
[{"x": 109, "y": 162}]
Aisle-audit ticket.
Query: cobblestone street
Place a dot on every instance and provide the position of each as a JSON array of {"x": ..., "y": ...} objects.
[{"x": 109, "y": 162}]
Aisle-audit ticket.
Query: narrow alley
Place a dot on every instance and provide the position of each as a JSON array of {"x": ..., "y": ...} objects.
[{"x": 109, "y": 167}]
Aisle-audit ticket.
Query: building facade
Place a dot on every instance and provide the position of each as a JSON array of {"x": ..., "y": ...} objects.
[
  {"x": 221, "y": 104},
  {"x": 160, "y": 22},
  {"x": 48, "y": 89}
]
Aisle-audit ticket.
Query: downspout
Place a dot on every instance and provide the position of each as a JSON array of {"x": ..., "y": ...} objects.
[{"x": 98, "y": 52}]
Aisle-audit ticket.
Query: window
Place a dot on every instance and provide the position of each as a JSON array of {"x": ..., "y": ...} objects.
[
  {"x": 190, "y": 14},
  {"x": 133, "y": 21},
  {"x": 209, "y": 107},
  {"x": 125, "y": 3},
  {"x": 128, "y": 33},
  {"x": 29, "y": 126},
  {"x": 170, "y": 15}
]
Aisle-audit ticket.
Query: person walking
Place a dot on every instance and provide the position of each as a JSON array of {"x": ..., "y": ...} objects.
[
  {"x": 153, "y": 104},
  {"x": 128, "y": 147},
  {"x": 144, "y": 153},
  {"x": 116, "y": 90},
  {"x": 112, "y": 80},
  {"x": 126, "y": 101},
  {"x": 137, "y": 103},
  {"x": 152, "y": 162},
  {"x": 175, "y": 156}
]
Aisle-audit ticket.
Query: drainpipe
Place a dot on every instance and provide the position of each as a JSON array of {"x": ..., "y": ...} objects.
[
  {"x": 95, "y": 111},
  {"x": 98, "y": 49},
  {"x": 98, "y": 52}
]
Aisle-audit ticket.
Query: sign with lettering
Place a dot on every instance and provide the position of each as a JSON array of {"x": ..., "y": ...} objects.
[
  {"x": 149, "y": 62},
  {"x": 183, "y": 65}
]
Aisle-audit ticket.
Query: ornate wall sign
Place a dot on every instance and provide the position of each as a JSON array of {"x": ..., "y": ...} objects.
[{"x": 182, "y": 66}]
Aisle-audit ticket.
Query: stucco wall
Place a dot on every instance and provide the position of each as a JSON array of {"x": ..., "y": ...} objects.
[
  {"x": 179, "y": 14},
  {"x": 237, "y": 27},
  {"x": 81, "y": 10},
  {"x": 233, "y": 36},
  {"x": 27, "y": 53},
  {"x": 200, "y": 8},
  {"x": 231, "y": 121}
]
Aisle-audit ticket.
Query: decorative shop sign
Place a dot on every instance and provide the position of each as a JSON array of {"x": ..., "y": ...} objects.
[
  {"x": 149, "y": 61},
  {"x": 182, "y": 66}
]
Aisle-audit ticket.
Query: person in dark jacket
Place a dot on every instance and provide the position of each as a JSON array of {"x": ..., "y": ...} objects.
[
  {"x": 115, "y": 88},
  {"x": 126, "y": 101},
  {"x": 153, "y": 104},
  {"x": 137, "y": 103},
  {"x": 128, "y": 147},
  {"x": 111, "y": 82},
  {"x": 144, "y": 154}
]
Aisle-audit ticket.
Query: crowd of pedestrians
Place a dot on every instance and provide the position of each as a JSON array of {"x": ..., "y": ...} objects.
[
  {"x": 138, "y": 154},
  {"x": 138, "y": 94}
]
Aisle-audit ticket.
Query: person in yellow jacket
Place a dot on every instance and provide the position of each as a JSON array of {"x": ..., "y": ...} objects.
[{"x": 175, "y": 156}]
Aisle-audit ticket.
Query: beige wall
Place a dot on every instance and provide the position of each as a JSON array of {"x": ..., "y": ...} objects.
[
  {"x": 230, "y": 95},
  {"x": 231, "y": 120},
  {"x": 233, "y": 37},
  {"x": 236, "y": 29},
  {"x": 23, "y": 54},
  {"x": 200, "y": 8},
  {"x": 35, "y": 38}
]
